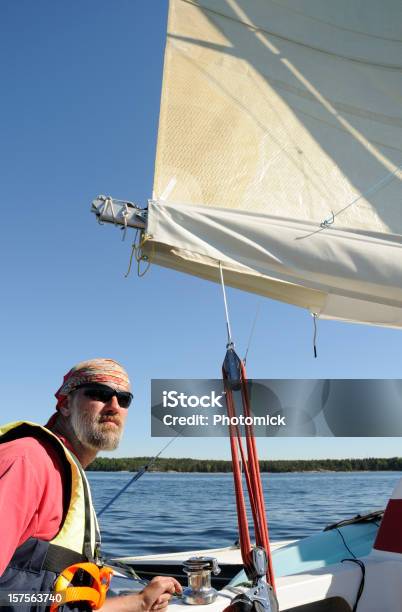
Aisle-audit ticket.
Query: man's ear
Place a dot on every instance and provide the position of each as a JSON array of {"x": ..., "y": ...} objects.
[{"x": 65, "y": 409}]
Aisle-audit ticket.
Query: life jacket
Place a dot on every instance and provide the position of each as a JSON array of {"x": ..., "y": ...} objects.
[{"x": 36, "y": 564}]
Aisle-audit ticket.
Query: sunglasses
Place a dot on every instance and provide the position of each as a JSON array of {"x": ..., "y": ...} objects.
[{"x": 104, "y": 393}]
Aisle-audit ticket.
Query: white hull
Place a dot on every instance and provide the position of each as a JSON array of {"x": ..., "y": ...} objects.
[
  {"x": 382, "y": 589},
  {"x": 303, "y": 586}
]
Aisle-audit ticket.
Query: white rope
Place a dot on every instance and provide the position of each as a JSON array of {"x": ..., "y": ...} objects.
[
  {"x": 229, "y": 333},
  {"x": 314, "y": 315},
  {"x": 125, "y": 214},
  {"x": 134, "y": 247},
  {"x": 108, "y": 202}
]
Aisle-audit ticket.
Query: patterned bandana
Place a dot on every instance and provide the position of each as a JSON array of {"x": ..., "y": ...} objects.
[{"x": 93, "y": 371}]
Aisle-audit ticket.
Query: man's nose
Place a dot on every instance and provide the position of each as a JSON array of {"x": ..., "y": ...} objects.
[{"x": 112, "y": 404}]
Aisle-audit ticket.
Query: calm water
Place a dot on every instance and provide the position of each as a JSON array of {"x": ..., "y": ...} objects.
[{"x": 173, "y": 512}]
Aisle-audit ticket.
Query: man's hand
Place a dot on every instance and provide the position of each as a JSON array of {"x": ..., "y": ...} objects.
[
  {"x": 154, "y": 597},
  {"x": 157, "y": 593}
]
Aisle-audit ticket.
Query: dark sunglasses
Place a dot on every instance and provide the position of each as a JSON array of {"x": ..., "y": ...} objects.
[{"x": 104, "y": 393}]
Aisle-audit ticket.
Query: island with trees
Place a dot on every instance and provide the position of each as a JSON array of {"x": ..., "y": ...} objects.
[{"x": 208, "y": 466}]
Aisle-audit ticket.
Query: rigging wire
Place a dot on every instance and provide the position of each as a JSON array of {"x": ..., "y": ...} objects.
[
  {"x": 257, "y": 28},
  {"x": 370, "y": 190},
  {"x": 229, "y": 332},
  {"x": 137, "y": 475},
  {"x": 335, "y": 25},
  {"x": 257, "y": 312},
  {"x": 344, "y": 542}
]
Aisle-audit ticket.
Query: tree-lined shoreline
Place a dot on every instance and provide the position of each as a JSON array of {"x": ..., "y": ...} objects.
[{"x": 208, "y": 466}]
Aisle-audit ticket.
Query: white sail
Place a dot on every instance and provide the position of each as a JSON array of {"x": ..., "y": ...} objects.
[{"x": 276, "y": 117}]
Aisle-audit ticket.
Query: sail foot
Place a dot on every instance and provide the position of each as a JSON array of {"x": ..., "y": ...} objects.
[{"x": 334, "y": 272}]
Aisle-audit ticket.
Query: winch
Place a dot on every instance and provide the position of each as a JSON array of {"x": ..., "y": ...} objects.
[{"x": 199, "y": 590}]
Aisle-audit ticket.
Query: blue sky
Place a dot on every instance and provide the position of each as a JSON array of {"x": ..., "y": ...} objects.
[{"x": 79, "y": 110}]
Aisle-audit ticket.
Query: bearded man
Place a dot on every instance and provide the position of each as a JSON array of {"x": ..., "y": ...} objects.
[{"x": 47, "y": 521}]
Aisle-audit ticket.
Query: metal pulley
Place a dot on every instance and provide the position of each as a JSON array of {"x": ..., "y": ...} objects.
[
  {"x": 231, "y": 366},
  {"x": 261, "y": 596},
  {"x": 199, "y": 590}
]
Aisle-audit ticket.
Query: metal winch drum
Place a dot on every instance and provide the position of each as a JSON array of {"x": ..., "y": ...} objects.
[{"x": 199, "y": 590}]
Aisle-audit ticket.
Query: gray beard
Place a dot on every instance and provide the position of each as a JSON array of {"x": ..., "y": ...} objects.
[{"x": 93, "y": 434}]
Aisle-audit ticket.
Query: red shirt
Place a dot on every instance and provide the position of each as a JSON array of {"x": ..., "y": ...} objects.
[{"x": 31, "y": 494}]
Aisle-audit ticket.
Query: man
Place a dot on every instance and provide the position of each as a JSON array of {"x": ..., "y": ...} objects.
[{"x": 47, "y": 522}]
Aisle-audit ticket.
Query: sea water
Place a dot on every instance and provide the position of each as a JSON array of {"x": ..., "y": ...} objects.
[{"x": 168, "y": 512}]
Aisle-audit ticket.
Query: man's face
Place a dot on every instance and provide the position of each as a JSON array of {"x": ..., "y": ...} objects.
[{"x": 97, "y": 425}]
